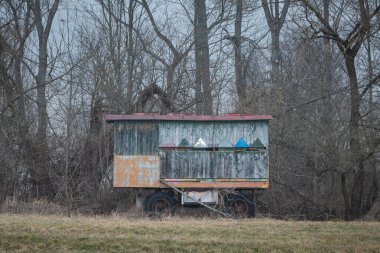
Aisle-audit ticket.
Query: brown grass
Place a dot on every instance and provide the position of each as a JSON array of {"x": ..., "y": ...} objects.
[{"x": 43, "y": 233}]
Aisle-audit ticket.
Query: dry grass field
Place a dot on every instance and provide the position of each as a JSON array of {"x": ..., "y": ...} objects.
[{"x": 38, "y": 233}]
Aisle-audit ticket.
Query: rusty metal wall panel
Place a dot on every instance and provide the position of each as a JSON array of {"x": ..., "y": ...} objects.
[
  {"x": 136, "y": 138},
  {"x": 214, "y": 164},
  {"x": 213, "y": 133},
  {"x": 136, "y": 171}
]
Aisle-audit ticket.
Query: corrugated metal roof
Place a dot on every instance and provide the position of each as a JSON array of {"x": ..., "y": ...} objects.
[{"x": 186, "y": 117}]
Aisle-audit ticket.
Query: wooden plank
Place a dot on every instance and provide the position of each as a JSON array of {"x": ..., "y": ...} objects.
[
  {"x": 136, "y": 138},
  {"x": 218, "y": 164}
]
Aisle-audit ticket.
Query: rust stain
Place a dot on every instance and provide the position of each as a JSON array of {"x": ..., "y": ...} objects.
[{"x": 136, "y": 171}]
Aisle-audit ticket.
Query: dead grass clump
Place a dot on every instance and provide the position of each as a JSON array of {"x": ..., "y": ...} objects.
[
  {"x": 374, "y": 213},
  {"x": 40, "y": 206},
  {"x": 195, "y": 212},
  {"x": 131, "y": 213}
]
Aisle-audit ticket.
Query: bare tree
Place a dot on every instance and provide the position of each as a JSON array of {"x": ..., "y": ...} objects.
[
  {"x": 14, "y": 30},
  {"x": 117, "y": 21},
  {"x": 349, "y": 44},
  {"x": 177, "y": 57},
  {"x": 13, "y": 47},
  {"x": 43, "y": 25},
  {"x": 275, "y": 20}
]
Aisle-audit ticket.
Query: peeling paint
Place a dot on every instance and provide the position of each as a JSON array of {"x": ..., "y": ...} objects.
[{"x": 136, "y": 171}]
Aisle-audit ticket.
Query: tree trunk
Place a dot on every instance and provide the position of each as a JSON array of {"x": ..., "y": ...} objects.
[
  {"x": 202, "y": 59},
  {"x": 41, "y": 95},
  {"x": 276, "y": 58},
  {"x": 40, "y": 175},
  {"x": 198, "y": 81},
  {"x": 275, "y": 20},
  {"x": 239, "y": 80},
  {"x": 131, "y": 56},
  {"x": 357, "y": 168},
  {"x": 170, "y": 84},
  {"x": 374, "y": 187}
]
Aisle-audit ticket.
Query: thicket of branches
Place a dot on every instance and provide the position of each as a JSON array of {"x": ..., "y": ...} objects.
[{"x": 313, "y": 64}]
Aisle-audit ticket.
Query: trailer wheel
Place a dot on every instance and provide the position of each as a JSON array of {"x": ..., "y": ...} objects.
[
  {"x": 160, "y": 203},
  {"x": 240, "y": 206}
]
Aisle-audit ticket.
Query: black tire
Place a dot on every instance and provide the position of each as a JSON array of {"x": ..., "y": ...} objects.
[
  {"x": 240, "y": 206},
  {"x": 160, "y": 203}
]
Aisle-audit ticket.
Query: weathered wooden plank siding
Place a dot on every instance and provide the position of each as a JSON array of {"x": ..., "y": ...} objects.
[
  {"x": 212, "y": 132},
  {"x": 213, "y": 164},
  {"x": 136, "y": 138}
]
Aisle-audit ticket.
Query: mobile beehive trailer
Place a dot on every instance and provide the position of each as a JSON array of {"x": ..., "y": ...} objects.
[{"x": 194, "y": 155}]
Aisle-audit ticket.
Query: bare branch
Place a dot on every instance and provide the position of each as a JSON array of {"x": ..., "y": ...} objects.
[
  {"x": 369, "y": 85},
  {"x": 157, "y": 30}
]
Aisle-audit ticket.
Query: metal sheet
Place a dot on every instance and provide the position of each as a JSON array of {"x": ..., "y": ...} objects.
[
  {"x": 214, "y": 164},
  {"x": 136, "y": 171},
  {"x": 136, "y": 138},
  {"x": 215, "y": 133},
  {"x": 210, "y": 196}
]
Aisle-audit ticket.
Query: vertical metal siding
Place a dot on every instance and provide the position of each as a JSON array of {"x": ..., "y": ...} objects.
[
  {"x": 136, "y": 138},
  {"x": 213, "y": 132},
  {"x": 218, "y": 164},
  {"x": 213, "y": 164}
]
